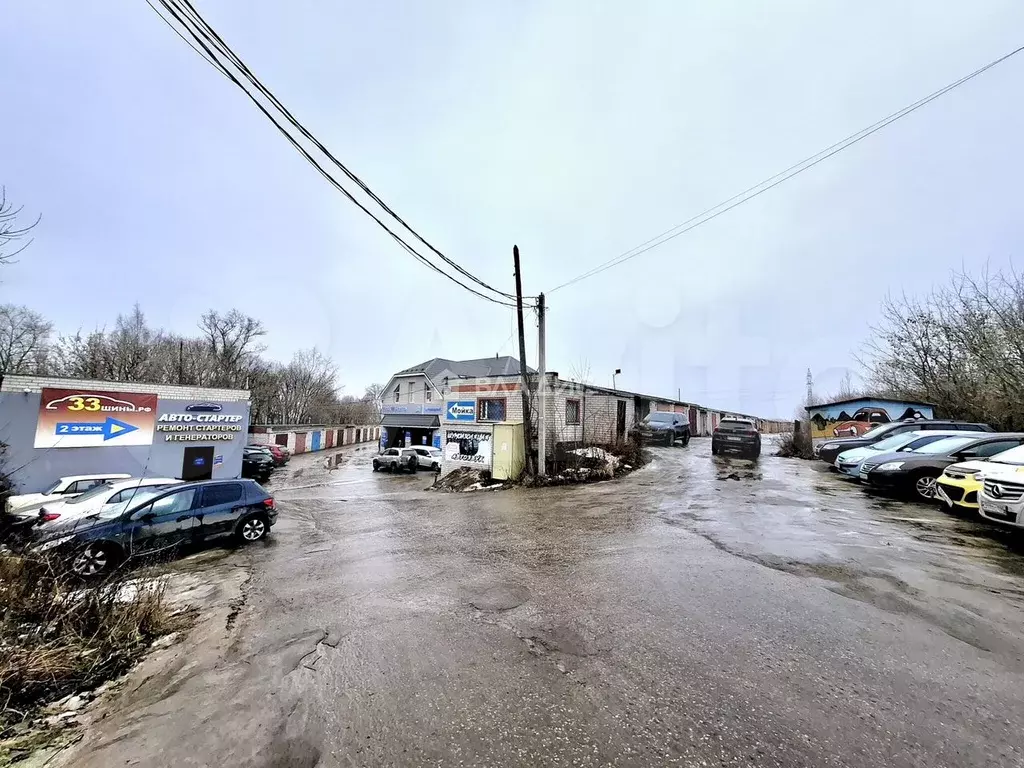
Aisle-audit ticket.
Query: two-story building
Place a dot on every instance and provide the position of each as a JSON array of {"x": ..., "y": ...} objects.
[{"x": 414, "y": 398}]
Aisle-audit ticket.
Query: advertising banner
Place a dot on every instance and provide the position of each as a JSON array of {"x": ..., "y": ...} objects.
[
  {"x": 73, "y": 418},
  {"x": 468, "y": 447}
]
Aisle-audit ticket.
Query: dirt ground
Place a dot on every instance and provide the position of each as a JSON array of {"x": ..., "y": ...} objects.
[{"x": 700, "y": 611}]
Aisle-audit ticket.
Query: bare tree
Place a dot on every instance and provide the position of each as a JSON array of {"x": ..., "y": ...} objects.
[
  {"x": 232, "y": 339},
  {"x": 24, "y": 337},
  {"x": 307, "y": 387},
  {"x": 13, "y": 238}
]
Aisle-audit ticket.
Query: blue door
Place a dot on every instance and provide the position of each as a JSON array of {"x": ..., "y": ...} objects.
[{"x": 316, "y": 441}]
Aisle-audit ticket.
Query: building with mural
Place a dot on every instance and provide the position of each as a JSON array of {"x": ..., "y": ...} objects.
[{"x": 854, "y": 417}]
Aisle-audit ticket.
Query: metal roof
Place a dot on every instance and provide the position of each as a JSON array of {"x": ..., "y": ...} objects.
[
  {"x": 414, "y": 420},
  {"x": 467, "y": 369}
]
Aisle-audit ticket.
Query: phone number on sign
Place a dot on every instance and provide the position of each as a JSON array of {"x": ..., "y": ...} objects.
[{"x": 478, "y": 459}]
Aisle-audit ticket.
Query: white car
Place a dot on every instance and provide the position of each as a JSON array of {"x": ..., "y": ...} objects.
[
  {"x": 1002, "y": 491},
  {"x": 428, "y": 457},
  {"x": 64, "y": 488},
  {"x": 108, "y": 499}
]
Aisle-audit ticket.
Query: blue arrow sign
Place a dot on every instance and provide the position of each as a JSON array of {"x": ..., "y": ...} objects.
[
  {"x": 109, "y": 429},
  {"x": 461, "y": 410}
]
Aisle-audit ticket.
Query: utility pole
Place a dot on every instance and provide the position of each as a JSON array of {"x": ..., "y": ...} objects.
[
  {"x": 810, "y": 388},
  {"x": 542, "y": 436},
  {"x": 523, "y": 370}
]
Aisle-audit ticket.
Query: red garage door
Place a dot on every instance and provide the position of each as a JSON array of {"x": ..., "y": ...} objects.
[{"x": 300, "y": 442}]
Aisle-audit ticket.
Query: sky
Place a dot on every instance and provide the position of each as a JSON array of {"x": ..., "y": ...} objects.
[{"x": 576, "y": 130}]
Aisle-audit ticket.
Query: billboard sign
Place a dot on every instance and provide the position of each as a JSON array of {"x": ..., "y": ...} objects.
[
  {"x": 73, "y": 418},
  {"x": 468, "y": 448},
  {"x": 460, "y": 410}
]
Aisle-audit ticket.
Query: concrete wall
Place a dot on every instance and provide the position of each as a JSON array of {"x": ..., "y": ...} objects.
[{"x": 33, "y": 469}]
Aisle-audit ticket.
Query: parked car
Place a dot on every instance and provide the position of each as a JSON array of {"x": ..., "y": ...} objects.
[
  {"x": 848, "y": 462},
  {"x": 830, "y": 449},
  {"x": 916, "y": 472},
  {"x": 64, "y": 488},
  {"x": 736, "y": 436},
  {"x": 107, "y": 498},
  {"x": 178, "y": 515},
  {"x": 279, "y": 457},
  {"x": 257, "y": 464},
  {"x": 1001, "y": 498},
  {"x": 960, "y": 485},
  {"x": 428, "y": 457},
  {"x": 397, "y": 460},
  {"x": 665, "y": 427}
]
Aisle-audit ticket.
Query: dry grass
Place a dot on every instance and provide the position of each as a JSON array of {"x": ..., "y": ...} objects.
[
  {"x": 59, "y": 636},
  {"x": 796, "y": 445}
]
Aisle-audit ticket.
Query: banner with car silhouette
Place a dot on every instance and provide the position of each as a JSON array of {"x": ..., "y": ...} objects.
[{"x": 73, "y": 418}]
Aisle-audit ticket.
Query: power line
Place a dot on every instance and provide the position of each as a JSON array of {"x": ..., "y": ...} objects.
[
  {"x": 778, "y": 178},
  {"x": 207, "y": 38}
]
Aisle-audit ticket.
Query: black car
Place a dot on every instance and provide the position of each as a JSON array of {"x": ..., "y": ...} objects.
[
  {"x": 736, "y": 436},
  {"x": 915, "y": 472},
  {"x": 177, "y": 515},
  {"x": 665, "y": 427},
  {"x": 257, "y": 464},
  {"x": 828, "y": 450}
]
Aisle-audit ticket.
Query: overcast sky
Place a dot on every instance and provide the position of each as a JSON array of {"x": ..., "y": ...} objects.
[{"x": 575, "y": 129}]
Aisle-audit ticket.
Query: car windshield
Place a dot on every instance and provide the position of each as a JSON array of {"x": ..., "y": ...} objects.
[
  {"x": 945, "y": 445},
  {"x": 894, "y": 442},
  {"x": 142, "y": 494},
  {"x": 736, "y": 426},
  {"x": 1013, "y": 457},
  {"x": 92, "y": 493},
  {"x": 881, "y": 429},
  {"x": 659, "y": 418},
  {"x": 53, "y": 488}
]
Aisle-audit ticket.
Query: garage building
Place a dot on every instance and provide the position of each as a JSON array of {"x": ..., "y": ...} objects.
[{"x": 58, "y": 427}]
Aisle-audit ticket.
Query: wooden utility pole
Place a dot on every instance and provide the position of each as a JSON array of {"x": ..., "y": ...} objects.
[
  {"x": 542, "y": 413},
  {"x": 523, "y": 370}
]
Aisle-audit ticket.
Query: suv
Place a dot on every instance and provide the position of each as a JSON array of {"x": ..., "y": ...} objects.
[
  {"x": 666, "y": 426},
  {"x": 428, "y": 457},
  {"x": 736, "y": 436},
  {"x": 830, "y": 449},
  {"x": 397, "y": 460},
  {"x": 178, "y": 515}
]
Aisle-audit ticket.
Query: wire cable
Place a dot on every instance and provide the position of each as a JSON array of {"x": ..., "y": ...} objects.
[
  {"x": 197, "y": 27},
  {"x": 334, "y": 182},
  {"x": 773, "y": 181}
]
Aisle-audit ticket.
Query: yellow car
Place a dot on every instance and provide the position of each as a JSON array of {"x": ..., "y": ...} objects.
[{"x": 958, "y": 486}]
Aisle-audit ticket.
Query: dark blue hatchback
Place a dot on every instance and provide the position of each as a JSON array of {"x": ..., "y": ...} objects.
[{"x": 180, "y": 514}]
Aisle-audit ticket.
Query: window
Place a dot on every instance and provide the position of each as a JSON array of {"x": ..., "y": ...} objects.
[
  {"x": 572, "y": 412},
  {"x": 427, "y": 394},
  {"x": 991, "y": 449},
  {"x": 490, "y": 409},
  {"x": 392, "y": 452},
  {"x": 221, "y": 494},
  {"x": 398, "y": 391},
  {"x": 179, "y": 501}
]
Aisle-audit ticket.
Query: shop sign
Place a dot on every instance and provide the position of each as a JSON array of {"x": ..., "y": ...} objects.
[
  {"x": 460, "y": 410},
  {"x": 199, "y": 425},
  {"x": 465, "y": 447},
  {"x": 73, "y": 418}
]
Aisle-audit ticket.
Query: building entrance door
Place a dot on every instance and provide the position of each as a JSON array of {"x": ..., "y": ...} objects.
[
  {"x": 197, "y": 463},
  {"x": 620, "y": 420}
]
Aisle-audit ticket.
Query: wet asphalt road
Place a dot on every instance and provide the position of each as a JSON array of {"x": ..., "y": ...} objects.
[{"x": 699, "y": 612}]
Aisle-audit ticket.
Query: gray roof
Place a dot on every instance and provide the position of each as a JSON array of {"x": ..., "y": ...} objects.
[{"x": 467, "y": 369}]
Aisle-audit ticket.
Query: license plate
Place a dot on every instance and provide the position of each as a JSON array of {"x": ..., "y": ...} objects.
[
  {"x": 942, "y": 496},
  {"x": 1002, "y": 511},
  {"x": 732, "y": 439}
]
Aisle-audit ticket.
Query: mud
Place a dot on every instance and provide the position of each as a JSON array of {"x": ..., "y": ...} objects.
[{"x": 701, "y": 611}]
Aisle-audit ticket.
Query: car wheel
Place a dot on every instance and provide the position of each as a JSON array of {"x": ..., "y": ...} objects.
[
  {"x": 253, "y": 528},
  {"x": 686, "y": 439},
  {"x": 95, "y": 559},
  {"x": 376, "y": 465},
  {"x": 714, "y": 450},
  {"x": 924, "y": 486},
  {"x": 670, "y": 439}
]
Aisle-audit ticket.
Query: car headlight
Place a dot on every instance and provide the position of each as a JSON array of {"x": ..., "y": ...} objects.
[
  {"x": 828, "y": 447},
  {"x": 53, "y": 543},
  {"x": 976, "y": 476},
  {"x": 890, "y": 466}
]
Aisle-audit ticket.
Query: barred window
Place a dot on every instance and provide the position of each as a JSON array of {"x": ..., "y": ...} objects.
[
  {"x": 491, "y": 409},
  {"x": 572, "y": 412}
]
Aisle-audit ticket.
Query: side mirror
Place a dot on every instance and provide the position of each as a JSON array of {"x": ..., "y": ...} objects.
[{"x": 145, "y": 515}]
